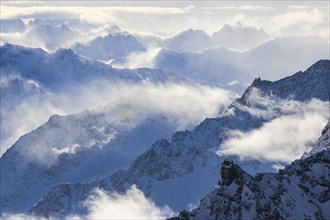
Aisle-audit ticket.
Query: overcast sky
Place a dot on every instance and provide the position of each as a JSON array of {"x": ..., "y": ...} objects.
[{"x": 170, "y": 17}]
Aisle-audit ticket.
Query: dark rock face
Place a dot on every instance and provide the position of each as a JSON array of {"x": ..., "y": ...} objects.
[{"x": 228, "y": 172}]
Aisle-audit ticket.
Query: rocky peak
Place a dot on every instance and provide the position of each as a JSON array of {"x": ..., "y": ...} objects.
[
  {"x": 302, "y": 86},
  {"x": 228, "y": 172}
]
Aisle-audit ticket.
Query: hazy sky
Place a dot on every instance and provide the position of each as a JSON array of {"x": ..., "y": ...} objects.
[{"x": 169, "y": 17}]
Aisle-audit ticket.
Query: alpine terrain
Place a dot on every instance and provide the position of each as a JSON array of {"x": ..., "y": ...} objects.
[{"x": 169, "y": 172}]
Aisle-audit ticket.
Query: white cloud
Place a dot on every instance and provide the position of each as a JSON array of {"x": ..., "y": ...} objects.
[
  {"x": 271, "y": 106},
  {"x": 299, "y": 7},
  {"x": 77, "y": 11},
  {"x": 102, "y": 205},
  {"x": 172, "y": 17},
  {"x": 282, "y": 139},
  {"x": 297, "y": 22},
  {"x": 243, "y": 19},
  {"x": 186, "y": 103},
  {"x": 131, "y": 205},
  {"x": 241, "y": 7},
  {"x": 292, "y": 128},
  {"x": 25, "y": 116},
  {"x": 139, "y": 59},
  {"x": 21, "y": 2},
  {"x": 126, "y": 105}
]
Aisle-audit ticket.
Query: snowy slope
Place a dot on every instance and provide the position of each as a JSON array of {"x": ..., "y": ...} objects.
[
  {"x": 24, "y": 106},
  {"x": 272, "y": 60},
  {"x": 64, "y": 68},
  {"x": 189, "y": 41},
  {"x": 75, "y": 148},
  {"x": 180, "y": 171},
  {"x": 239, "y": 37},
  {"x": 109, "y": 47},
  {"x": 298, "y": 191}
]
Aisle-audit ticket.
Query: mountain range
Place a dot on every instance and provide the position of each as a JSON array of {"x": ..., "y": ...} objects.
[
  {"x": 109, "y": 47},
  {"x": 170, "y": 170},
  {"x": 63, "y": 68},
  {"x": 81, "y": 122},
  {"x": 272, "y": 59}
]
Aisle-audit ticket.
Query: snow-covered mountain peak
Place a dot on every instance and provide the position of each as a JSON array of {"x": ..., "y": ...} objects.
[
  {"x": 189, "y": 41},
  {"x": 11, "y": 51},
  {"x": 112, "y": 46},
  {"x": 313, "y": 83},
  {"x": 65, "y": 54}
]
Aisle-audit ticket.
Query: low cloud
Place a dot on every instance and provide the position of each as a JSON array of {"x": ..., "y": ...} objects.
[
  {"x": 242, "y": 19},
  {"x": 186, "y": 103},
  {"x": 297, "y": 22},
  {"x": 76, "y": 11},
  {"x": 283, "y": 139},
  {"x": 131, "y": 205},
  {"x": 139, "y": 59},
  {"x": 272, "y": 106},
  {"x": 121, "y": 105},
  {"x": 292, "y": 129},
  {"x": 24, "y": 107},
  {"x": 102, "y": 205}
]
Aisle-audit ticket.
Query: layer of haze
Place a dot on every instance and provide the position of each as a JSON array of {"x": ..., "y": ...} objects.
[{"x": 166, "y": 18}]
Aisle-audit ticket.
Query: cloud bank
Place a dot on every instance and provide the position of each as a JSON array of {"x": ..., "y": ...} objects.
[{"x": 173, "y": 17}]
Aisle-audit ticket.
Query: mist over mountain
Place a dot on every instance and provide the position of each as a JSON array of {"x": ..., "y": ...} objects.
[
  {"x": 164, "y": 170},
  {"x": 45, "y": 36},
  {"x": 109, "y": 47},
  {"x": 62, "y": 68},
  {"x": 272, "y": 59},
  {"x": 239, "y": 37},
  {"x": 154, "y": 110},
  {"x": 189, "y": 41},
  {"x": 24, "y": 106}
]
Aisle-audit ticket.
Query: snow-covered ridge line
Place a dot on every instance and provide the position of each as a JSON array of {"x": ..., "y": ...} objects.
[{"x": 65, "y": 68}]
